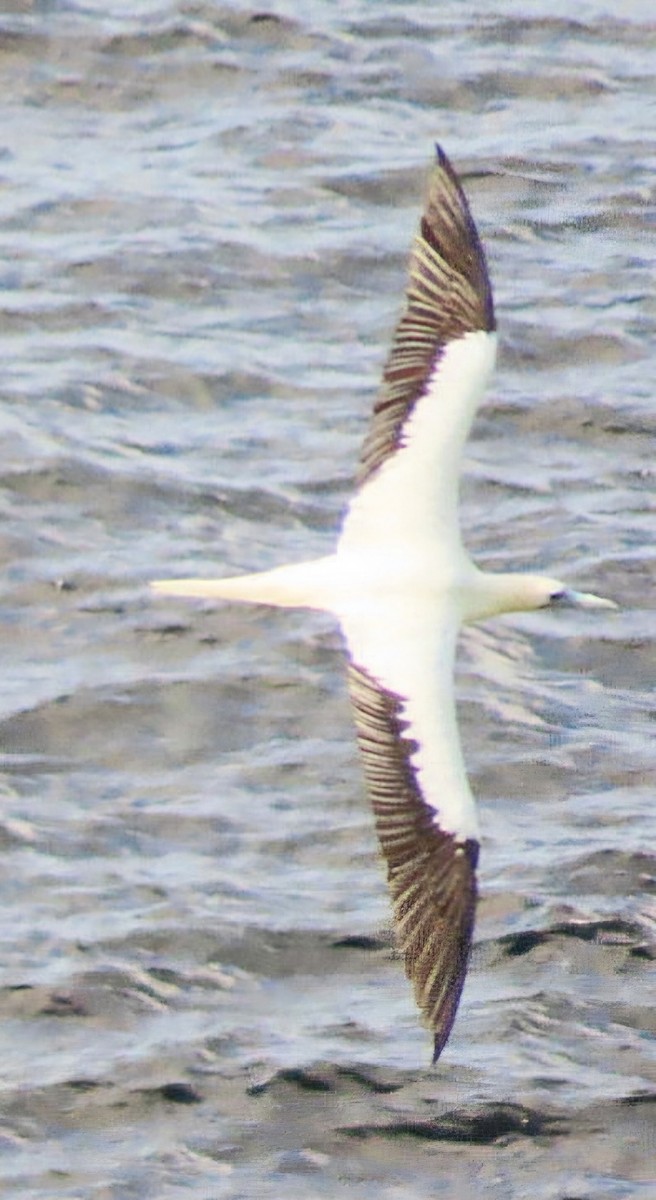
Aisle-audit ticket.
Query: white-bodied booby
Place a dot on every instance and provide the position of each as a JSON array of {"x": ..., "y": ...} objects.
[{"x": 401, "y": 583}]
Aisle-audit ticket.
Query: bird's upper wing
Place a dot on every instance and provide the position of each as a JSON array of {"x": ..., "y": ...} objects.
[
  {"x": 448, "y": 296},
  {"x": 442, "y": 354}
]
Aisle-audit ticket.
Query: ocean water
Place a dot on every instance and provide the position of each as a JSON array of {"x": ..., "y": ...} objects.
[{"x": 205, "y": 216}]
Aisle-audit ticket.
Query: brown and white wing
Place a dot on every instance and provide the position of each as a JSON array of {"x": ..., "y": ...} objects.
[
  {"x": 448, "y": 296},
  {"x": 442, "y": 355},
  {"x": 402, "y": 695}
]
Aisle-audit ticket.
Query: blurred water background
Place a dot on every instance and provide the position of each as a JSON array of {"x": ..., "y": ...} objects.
[{"x": 205, "y": 215}]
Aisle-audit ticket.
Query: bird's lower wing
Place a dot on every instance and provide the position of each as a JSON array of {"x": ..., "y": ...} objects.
[{"x": 425, "y": 818}]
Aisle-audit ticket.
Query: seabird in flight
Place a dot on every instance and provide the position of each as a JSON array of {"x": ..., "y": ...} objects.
[{"x": 401, "y": 584}]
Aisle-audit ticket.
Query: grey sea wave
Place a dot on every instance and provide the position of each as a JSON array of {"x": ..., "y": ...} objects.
[{"x": 205, "y": 217}]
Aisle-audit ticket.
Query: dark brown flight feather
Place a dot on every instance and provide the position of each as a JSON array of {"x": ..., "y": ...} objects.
[
  {"x": 448, "y": 295},
  {"x": 432, "y": 877}
]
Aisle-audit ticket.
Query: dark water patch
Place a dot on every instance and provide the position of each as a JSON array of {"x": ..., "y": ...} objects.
[
  {"x": 483, "y": 1125},
  {"x": 175, "y": 1093},
  {"x": 607, "y": 932},
  {"x": 304, "y": 1080},
  {"x": 360, "y": 942}
]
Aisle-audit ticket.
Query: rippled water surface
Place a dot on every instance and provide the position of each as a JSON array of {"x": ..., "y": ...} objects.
[{"x": 205, "y": 215}]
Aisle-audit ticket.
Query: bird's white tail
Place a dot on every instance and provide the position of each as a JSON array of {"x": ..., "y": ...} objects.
[{"x": 298, "y": 585}]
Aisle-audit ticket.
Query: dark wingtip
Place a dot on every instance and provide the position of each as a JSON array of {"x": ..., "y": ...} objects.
[
  {"x": 443, "y": 159},
  {"x": 463, "y": 234},
  {"x": 440, "y": 1042}
]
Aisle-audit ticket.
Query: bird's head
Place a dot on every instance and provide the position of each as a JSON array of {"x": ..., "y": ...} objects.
[{"x": 494, "y": 594}]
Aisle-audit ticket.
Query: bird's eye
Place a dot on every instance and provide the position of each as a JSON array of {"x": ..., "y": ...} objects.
[{"x": 557, "y": 596}]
